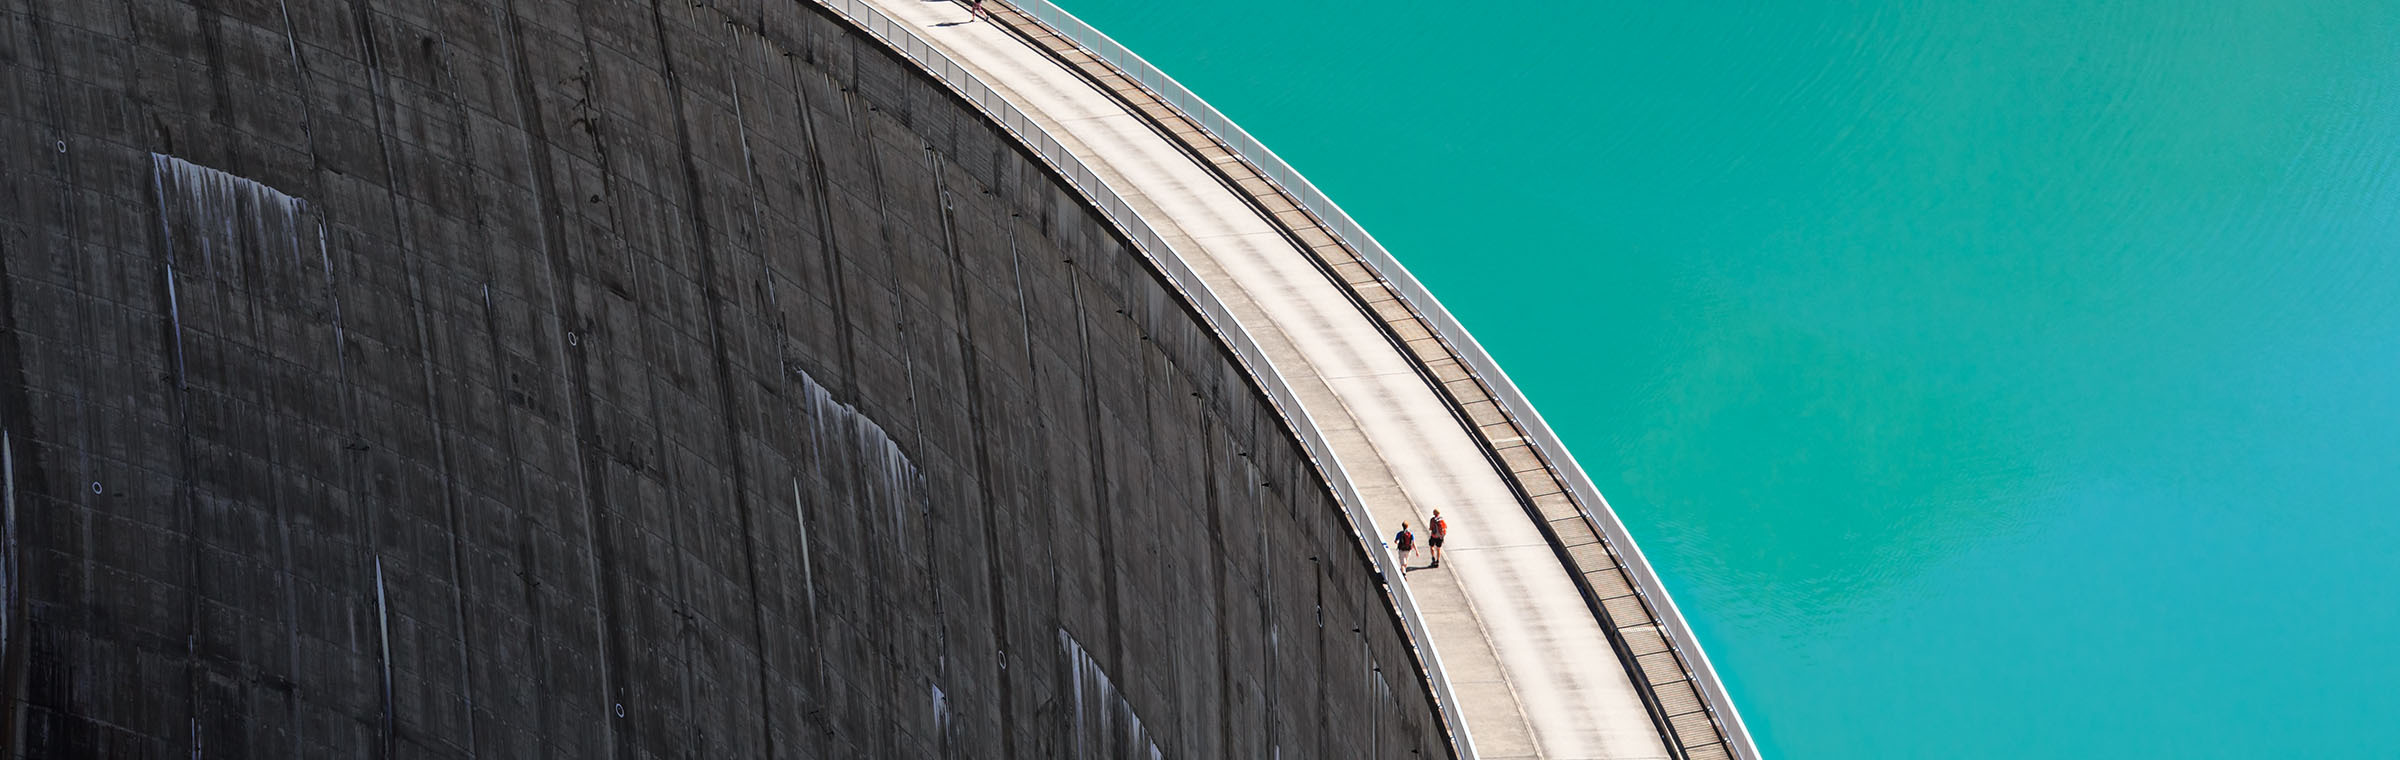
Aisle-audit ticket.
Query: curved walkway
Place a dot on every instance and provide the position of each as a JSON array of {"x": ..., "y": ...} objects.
[{"x": 1532, "y": 670}]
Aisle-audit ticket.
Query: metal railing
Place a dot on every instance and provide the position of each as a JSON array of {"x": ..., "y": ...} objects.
[
  {"x": 1595, "y": 507},
  {"x": 1154, "y": 249}
]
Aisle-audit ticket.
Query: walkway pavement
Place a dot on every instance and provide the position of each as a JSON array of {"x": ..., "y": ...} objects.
[{"x": 1531, "y": 668}]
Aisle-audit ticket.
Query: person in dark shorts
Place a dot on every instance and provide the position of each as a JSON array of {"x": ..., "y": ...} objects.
[
  {"x": 1407, "y": 542},
  {"x": 1434, "y": 534}
]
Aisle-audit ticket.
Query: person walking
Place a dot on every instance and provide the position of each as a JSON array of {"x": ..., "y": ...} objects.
[
  {"x": 1407, "y": 542},
  {"x": 1434, "y": 533}
]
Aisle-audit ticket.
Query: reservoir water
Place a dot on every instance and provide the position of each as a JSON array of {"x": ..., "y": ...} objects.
[{"x": 1986, "y": 380}]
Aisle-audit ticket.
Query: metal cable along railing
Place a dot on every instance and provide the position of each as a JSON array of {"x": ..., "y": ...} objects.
[
  {"x": 1154, "y": 249},
  {"x": 1594, "y": 507}
]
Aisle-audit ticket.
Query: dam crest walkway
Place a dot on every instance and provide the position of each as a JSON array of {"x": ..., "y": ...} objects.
[{"x": 1531, "y": 670}]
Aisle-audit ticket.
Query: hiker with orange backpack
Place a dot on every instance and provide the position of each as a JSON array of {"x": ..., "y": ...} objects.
[{"x": 1434, "y": 535}]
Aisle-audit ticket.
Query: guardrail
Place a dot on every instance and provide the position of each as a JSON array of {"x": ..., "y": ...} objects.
[
  {"x": 1588, "y": 499},
  {"x": 1219, "y": 319}
]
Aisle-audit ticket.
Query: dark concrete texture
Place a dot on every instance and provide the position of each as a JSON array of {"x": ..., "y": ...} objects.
[{"x": 501, "y": 378}]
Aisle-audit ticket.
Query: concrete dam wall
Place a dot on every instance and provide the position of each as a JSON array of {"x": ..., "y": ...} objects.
[{"x": 493, "y": 378}]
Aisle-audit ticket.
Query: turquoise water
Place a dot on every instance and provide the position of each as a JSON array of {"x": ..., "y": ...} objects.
[{"x": 2002, "y": 380}]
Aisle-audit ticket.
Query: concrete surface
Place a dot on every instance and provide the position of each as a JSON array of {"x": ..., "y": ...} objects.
[
  {"x": 491, "y": 378},
  {"x": 1533, "y": 669}
]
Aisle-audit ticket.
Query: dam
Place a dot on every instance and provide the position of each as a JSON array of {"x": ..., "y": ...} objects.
[{"x": 763, "y": 378}]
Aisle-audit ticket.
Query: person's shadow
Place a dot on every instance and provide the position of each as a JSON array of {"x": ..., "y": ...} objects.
[{"x": 949, "y": 23}]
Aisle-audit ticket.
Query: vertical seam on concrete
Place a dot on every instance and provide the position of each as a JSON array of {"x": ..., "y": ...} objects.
[
  {"x": 864, "y": 128},
  {"x": 83, "y": 617},
  {"x": 1042, "y": 475},
  {"x": 1212, "y": 501},
  {"x": 1324, "y": 701},
  {"x": 994, "y": 569},
  {"x": 783, "y": 378},
  {"x": 458, "y": 581},
  {"x": 696, "y": 212},
  {"x": 17, "y": 406},
  {"x": 577, "y": 375},
  {"x": 528, "y": 583},
  {"x": 1141, "y": 359},
  {"x": 665, "y": 470},
  {"x": 412, "y": 265},
  {"x": 1099, "y": 480},
  {"x": 290, "y": 581},
  {"x": 834, "y": 271},
  {"x": 841, "y": 319},
  {"x": 402, "y": 219},
  {"x": 916, "y": 407},
  {"x": 1271, "y": 685}
]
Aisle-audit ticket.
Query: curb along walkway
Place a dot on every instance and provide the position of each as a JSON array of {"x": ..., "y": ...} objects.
[{"x": 1534, "y": 672}]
